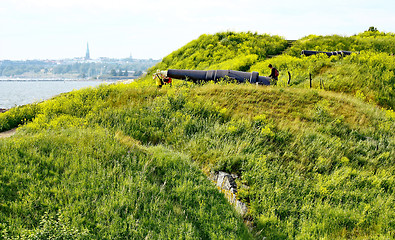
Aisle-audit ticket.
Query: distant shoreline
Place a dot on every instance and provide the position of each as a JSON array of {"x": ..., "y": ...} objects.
[
  {"x": 102, "y": 79},
  {"x": 52, "y": 79}
]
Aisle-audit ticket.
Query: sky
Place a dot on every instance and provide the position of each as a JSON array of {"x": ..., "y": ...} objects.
[{"x": 143, "y": 29}]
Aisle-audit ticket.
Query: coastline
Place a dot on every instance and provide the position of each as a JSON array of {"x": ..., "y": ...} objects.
[
  {"x": 49, "y": 79},
  {"x": 60, "y": 78},
  {"x": 18, "y": 92}
]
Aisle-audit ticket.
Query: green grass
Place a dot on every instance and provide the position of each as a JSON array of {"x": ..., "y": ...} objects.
[
  {"x": 123, "y": 160},
  {"x": 127, "y": 161},
  {"x": 108, "y": 187}
]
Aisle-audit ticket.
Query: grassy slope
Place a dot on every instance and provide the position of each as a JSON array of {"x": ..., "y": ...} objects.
[
  {"x": 368, "y": 75},
  {"x": 103, "y": 185},
  {"x": 308, "y": 157},
  {"x": 317, "y": 164},
  {"x": 100, "y": 182}
]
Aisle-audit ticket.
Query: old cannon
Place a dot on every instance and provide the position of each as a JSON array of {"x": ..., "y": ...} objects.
[
  {"x": 309, "y": 53},
  {"x": 217, "y": 75}
]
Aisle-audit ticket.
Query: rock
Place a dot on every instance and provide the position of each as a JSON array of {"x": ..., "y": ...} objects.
[
  {"x": 241, "y": 208},
  {"x": 226, "y": 182}
]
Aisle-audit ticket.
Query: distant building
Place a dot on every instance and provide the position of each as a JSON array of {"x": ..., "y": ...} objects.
[{"x": 87, "y": 55}]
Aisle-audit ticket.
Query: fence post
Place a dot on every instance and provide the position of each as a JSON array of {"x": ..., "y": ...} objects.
[
  {"x": 289, "y": 77},
  {"x": 310, "y": 80}
]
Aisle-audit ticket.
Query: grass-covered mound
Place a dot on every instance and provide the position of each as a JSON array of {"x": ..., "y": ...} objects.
[
  {"x": 367, "y": 74},
  {"x": 123, "y": 160},
  {"x": 87, "y": 183},
  {"x": 226, "y": 50}
]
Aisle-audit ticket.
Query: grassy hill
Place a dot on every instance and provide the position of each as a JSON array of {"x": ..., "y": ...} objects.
[
  {"x": 368, "y": 74},
  {"x": 128, "y": 160}
]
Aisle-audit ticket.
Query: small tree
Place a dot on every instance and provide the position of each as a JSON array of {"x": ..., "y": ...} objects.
[
  {"x": 372, "y": 29},
  {"x": 113, "y": 72}
]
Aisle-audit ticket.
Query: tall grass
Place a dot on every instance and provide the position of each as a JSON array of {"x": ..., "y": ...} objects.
[
  {"x": 107, "y": 186},
  {"x": 124, "y": 161},
  {"x": 307, "y": 157}
]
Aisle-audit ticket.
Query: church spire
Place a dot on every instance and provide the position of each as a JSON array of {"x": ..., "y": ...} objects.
[{"x": 87, "y": 55}]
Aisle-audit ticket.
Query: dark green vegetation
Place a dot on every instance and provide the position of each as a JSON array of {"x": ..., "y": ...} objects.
[
  {"x": 126, "y": 161},
  {"x": 228, "y": 50}
]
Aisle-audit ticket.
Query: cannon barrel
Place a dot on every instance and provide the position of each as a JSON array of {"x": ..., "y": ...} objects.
[
  {"x": 309, "y": 53},
  {"x": 215, "y": 75}
]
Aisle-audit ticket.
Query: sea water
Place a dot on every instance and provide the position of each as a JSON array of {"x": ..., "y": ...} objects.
[{"x": 16, "y": 93}]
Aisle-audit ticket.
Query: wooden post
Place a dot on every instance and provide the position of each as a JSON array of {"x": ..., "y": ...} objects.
[
  {"x": 289, "y": 77},
  {"x": 310, "y": 81}
]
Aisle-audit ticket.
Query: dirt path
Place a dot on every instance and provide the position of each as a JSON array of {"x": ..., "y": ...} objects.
[{"x": 8, "y": 133}]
